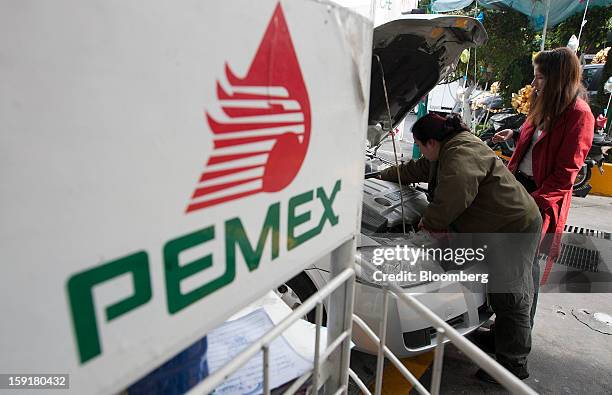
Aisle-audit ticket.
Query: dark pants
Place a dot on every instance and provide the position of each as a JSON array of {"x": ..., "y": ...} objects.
[
  {"x": 512, "y": 330},
  {"x": 531, "y": 186},
  {"x": 510, "y": 259}
]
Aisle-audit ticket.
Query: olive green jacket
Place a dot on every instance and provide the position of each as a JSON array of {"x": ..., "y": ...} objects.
[{"x": 473, "y": 191}]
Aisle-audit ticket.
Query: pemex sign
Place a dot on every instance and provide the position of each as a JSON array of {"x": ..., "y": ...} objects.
[
  {"x": 164, "y": 166},
  {"x": 266, "y": 123}
]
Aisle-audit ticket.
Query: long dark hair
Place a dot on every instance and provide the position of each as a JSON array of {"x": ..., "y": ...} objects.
[
  {"x": 433, "y": 126},
  {"x": 563, "y": 83}
]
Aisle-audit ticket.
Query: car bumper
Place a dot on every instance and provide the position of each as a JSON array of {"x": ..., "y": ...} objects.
[{"x": 408, "y": 333}]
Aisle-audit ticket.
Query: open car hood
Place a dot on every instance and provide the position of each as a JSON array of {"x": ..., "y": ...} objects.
[{"x": 416, "y": 52}]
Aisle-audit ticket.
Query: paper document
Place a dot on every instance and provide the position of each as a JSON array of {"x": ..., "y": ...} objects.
[
  {"x": 300, "y": 335},
  {"x": 225, "y": 342}
]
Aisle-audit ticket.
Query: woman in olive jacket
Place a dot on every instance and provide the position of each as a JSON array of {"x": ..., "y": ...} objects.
[{"x": 471, "y": 191}]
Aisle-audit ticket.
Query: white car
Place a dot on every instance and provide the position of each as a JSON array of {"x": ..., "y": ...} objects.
[{"x": 415, "y": 52}]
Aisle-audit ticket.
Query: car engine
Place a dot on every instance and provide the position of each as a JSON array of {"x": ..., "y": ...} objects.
[{"x": 382, "y": 211}]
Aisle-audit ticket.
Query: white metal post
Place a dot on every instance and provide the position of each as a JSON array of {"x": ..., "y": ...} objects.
[
  {"x": 436, "y": 376},
  {"x": 545, "y": 25},
  {"x": 380, "y": 361},
  {"x": 266, "y": 369},
  {"x": 475, "y": 64},
  {"x": 315, "y": 370},
  {"x": 373, "y": 10},
  {"x": 339, "y": 318},
  {"x": 607, "y": 125},
  {"x": 582, "y": 23}
]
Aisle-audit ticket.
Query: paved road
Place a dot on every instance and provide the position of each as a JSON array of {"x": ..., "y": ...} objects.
[
  {"x": 593, "y": 212},
  {"x": 567, "y": 357}
]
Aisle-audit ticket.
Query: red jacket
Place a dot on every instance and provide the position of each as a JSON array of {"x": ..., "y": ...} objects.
[{"x": 557, "y": 157}]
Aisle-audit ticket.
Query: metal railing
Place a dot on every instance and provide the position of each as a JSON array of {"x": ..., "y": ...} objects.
[
  {"x": 324, "y": 366},
  {"x": 315, "y": 301},
  {"x": 444, "y": 332}
]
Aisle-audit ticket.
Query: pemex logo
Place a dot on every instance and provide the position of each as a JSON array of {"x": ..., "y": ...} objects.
[{"x": 261, "y": 128}]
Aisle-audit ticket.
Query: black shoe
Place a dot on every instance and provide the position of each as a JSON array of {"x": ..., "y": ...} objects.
[
  {"x": 484, "y": 339},
  {"x": 484, "y": 376}
]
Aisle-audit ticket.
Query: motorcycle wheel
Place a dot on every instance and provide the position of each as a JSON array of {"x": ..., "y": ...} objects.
[{"x": 582, "y": 179}]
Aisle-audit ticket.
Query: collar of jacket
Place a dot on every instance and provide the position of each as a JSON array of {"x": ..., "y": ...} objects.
[
  {"x": 444, "y": 142},
  {"x": 433, "y": 169}
]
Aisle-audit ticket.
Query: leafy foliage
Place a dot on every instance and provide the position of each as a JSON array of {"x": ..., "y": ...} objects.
[
  {"x": 599, "y": 22},
  {"x": 592, "y": 40},
  {"x": 506, "y": 57},
  {"x": 509, "y": 50}
]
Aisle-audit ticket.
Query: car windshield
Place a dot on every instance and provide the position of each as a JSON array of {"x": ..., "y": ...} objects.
[{"x": 591, "y": 77}]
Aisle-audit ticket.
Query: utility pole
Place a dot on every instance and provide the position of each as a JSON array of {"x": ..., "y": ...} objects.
[
  {"x": 583, "y": 21},
  {"x": 545, "y": 25}
]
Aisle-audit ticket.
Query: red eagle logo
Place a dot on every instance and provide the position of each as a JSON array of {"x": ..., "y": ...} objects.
[{"x": 261, "y": 137}]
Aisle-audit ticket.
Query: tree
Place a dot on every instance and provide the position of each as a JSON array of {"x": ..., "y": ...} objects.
[
  {"x": 506, "y": 57},
  {"x": 593, "y": 34},
  {"x": 593, "y": 39},
  {"x": 509, "y": 50}
]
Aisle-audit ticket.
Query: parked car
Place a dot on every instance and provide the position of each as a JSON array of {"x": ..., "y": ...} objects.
[
  {"x": 415, "y": 52},
  {"x": 591, "y": 78},
  {"x": 443, "y": 97}
]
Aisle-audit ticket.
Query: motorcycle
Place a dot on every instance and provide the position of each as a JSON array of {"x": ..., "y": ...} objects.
[
  {"x": 596, "y": 157},
  {"x": 507, "y": 119}
]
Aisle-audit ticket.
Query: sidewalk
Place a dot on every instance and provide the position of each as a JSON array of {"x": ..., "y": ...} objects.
[{"x": 592, "y": 212}]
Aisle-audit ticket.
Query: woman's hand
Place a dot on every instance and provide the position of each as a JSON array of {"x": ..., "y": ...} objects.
[{"x": 502, "y": 135}]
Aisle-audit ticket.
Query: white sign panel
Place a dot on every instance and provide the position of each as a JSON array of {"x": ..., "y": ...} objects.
[
  {"x": 382, "y": 11},
  {"x": 390, "y": 10},
  {"x": 162, "y": 165}
]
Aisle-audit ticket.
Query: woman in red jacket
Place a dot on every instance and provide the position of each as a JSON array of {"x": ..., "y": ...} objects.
[{"x": 552, "y": 144}]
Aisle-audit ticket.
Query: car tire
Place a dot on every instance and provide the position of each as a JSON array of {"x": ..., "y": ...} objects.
[
  {"x": 304, "y": 288},
  {"x": 583, "y": 177}
]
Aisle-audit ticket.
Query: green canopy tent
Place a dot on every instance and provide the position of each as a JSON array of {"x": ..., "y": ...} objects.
[{"x": 542, "y": 13}]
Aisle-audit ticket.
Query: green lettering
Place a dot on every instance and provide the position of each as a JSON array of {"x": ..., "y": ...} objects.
[
  {"x": 80, "y": 294},
  {"x": 175, "y": 272},
  {"x": 235, "y": 235},
  {"x": 328, "y": 212},
  {"x": 294, "y": 221}
]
